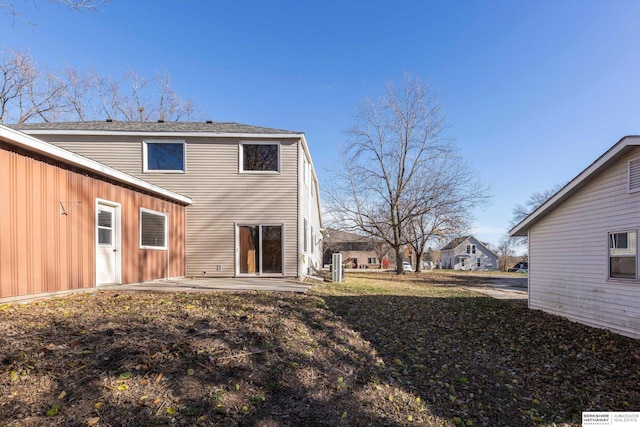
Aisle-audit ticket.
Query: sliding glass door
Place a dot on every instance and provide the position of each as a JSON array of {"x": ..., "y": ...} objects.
[{"x": 260, "y": 249}]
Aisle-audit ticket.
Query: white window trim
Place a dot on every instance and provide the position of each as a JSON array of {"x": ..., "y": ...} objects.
[
  {"x": 145, "y": 169},
  {"x": 166, "y": 229},
  {"x": 609, "y": 256},
  {"x": 241, "y": 157}
]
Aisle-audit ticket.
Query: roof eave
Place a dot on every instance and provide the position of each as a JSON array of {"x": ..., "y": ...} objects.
[
  {"x": 522, "y": 228},
  {"x": 155, "y": 134}
]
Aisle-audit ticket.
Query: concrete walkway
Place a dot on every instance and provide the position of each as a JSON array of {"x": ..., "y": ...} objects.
[{"x": 214, "y": 284}]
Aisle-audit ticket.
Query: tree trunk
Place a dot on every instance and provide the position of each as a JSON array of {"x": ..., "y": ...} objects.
[{"x": 399, "y": 269}]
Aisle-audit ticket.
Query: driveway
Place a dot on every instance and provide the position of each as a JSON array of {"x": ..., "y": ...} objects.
[
  {"x": 214, "y": 284},
  {"x": 503, "y": 287}
]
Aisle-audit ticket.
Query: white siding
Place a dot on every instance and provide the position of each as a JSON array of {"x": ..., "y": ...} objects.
[
  {"x": 309, "y": 210},
  {"x": 221, "y": 195},
  {"x": 568, "y": 253}
]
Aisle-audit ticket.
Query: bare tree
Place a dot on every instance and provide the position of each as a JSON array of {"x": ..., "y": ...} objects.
[
  {"x": 28, "y": 93},
  {"x": 9, "y": 8},
  {"x": 394, "y": 163},
  {"x": 505, "y": 253},
  {"x": 523, "y": 210},
  {"x": 17, "y": 71}
]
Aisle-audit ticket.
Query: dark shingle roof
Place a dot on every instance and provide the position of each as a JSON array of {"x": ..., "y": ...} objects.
[
  {"x": 119, "y": 126},
  {"x": 454, "y": 243}
]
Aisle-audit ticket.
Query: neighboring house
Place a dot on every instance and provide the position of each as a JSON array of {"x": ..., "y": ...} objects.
[
  {"x": 583, "y": 244},
  {"x": 68, "y": 222},
  {"x": 467, "y": 253},
  {"x": 357, "y": 251},
  {"x": 256, "y": 208}
]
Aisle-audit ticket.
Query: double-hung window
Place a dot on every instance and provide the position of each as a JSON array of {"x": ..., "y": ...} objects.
[
  {"x": 259, "y": 157},
  {"x": 622, "y": 255},
  {"x": 153, "y": 229},
  {"x": 164, "y": 156},
  {"x": 471, "y": 249}
]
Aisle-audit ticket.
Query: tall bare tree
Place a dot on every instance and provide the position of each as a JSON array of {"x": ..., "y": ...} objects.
[
  {"x": 29, "y": 93},
  {"x": 395, "y": 162}
]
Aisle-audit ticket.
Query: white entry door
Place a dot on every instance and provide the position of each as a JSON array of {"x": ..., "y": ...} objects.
[{"x": 107, "y": 237}]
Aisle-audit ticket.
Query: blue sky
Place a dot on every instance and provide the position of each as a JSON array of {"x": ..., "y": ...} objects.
[{"x": 534, "y": 90}]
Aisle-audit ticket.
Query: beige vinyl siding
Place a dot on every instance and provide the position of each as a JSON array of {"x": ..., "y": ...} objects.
[
  {"x": 221, "y": 195},
  {"x": 568, "y": 252}
]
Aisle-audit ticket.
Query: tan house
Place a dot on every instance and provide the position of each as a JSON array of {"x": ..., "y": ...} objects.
[
  {"x": 583, "y": 244},
  {"x": 255, "y": 210},
  {"x": 467, "y": 253},
  {"x": 68, "y": 222},
  {"x": 357, "y": 251}
]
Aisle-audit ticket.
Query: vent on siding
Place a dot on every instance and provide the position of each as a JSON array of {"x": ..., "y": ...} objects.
[{"x": 634, "y": 175}]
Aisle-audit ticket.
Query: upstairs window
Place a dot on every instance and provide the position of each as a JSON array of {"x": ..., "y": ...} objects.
[
  {"x": 259, "y": 157},
  {"x": 164, "y": 156},
  {"x": 622, "y": 255},
  {"x": 153, "y": 229},
  {"x": 471, "y": 249}
]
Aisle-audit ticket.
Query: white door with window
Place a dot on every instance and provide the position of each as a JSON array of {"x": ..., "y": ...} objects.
[{"x": 107, "y": 239}]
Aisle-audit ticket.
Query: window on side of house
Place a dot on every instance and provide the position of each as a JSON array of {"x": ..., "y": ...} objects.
[
  {"x": 305, "y": 237},
  {"x": 153, "y": 229},
  {"x": 478, "y": 262},
  {"x": 164, "y": 156},
  {"x": 622, "y": 255},
  {"x": 313, "y": 240},
  {"x": 371, "y": 260},
  {"x": 259, "y": 157},
  {"x": 471, "y": 249},
  {"x": 462, "y": 262},
  {"x": 305, "y": 170}
]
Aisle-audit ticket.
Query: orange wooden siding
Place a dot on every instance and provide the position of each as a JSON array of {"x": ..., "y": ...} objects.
[{"x": 44, "y": 251}]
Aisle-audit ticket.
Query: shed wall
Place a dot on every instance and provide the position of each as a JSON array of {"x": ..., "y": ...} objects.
[
  {"x": 42, "y": 250},
  {"x": 568, "y": 252}
]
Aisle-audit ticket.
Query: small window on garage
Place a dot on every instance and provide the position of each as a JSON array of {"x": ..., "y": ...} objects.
[
  {"x": 153, "y": 229},
  {"x": 622, "y": 255}
]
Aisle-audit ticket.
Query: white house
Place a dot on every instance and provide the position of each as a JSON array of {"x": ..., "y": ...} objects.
[
  {"x": 467, "y": 253},
  {"x": 583, "y": 244}
]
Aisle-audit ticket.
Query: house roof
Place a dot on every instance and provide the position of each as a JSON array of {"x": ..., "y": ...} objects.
[
  {"x": 600, "y": 164},
  {"x": 454, "y": 243},
  {"x": 32, "y": 144},
  {"x": 459, "y": 240},
  {"x": 339, "y": 236},
  {"x": 116, "y": 126}
]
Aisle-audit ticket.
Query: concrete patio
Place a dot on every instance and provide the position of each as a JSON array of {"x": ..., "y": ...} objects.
[{"x": 214, "y": 284}]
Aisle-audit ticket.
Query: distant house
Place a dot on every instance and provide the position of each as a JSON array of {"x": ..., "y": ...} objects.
[
  {"x": 583, "y": 244},
  {"x": 357, "y": 251},
  {"x": 256, "y": 205},
  {"x": 467, "y": 253},
  {"x": 70, "y": 223}
]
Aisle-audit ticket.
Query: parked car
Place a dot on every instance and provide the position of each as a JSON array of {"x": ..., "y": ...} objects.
[
  {"x": 406, "y": 266},
  {"x": 520, "y": 266}
]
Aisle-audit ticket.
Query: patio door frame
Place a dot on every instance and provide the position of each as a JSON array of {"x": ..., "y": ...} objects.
[{"x": 259, "y": 272}]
